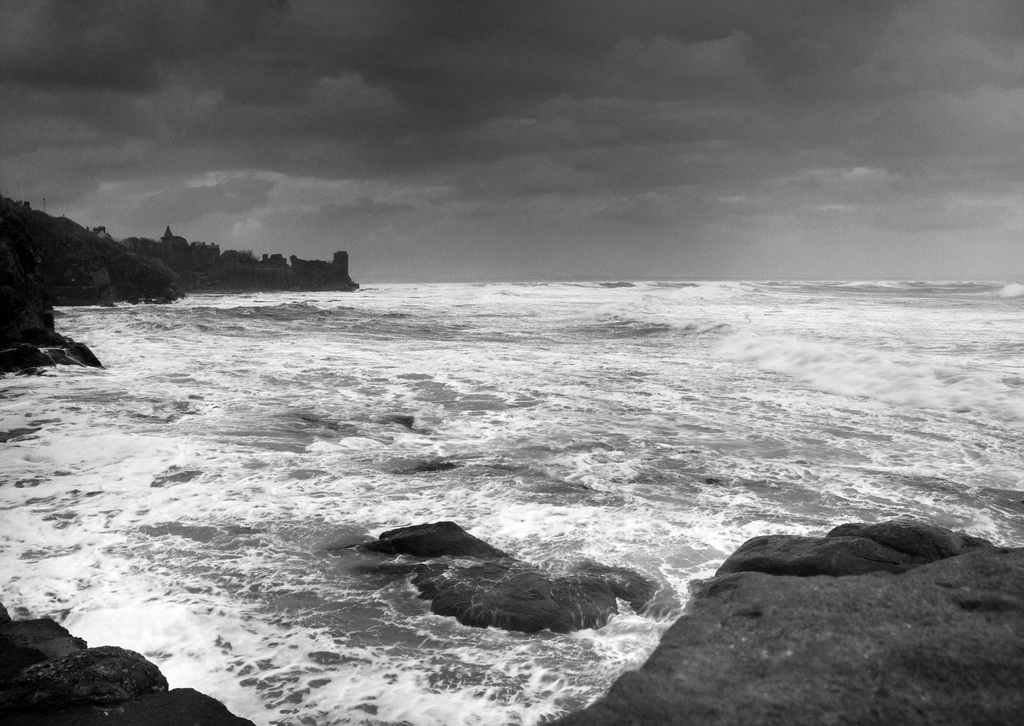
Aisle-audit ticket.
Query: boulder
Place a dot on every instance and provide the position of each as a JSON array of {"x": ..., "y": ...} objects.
[
  {"x": 934, "y": 643},
  {"x": 48, "y": 676},
  {"x": 92, "y": 676},
  {"x": 500, "y": 591},
  {"x": 921, "y": 542},
  {"x": 178, "y": 707},
  {"x": 624, "y": 583},
  {"x": 425, "y": 466},
  {"x": 851, "y": 549},
  {"x": 47, "y": 636},
  {"x": 514, "y": 596},
  {"x": 14, "y": 659},
  {"x": 437, "y": 539}
]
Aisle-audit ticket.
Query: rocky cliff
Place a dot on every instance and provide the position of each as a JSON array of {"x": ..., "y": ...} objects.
[
  {"x": 28, "y": 340},
  {"x": 82, "y": 267}
]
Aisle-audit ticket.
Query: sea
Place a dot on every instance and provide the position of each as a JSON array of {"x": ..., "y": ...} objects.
[{"x": 193, "y": 500}]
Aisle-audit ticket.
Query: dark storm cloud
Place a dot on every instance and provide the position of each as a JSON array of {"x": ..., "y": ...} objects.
[
  {"x": 185, "y": 204},
  {"x": 120, "y": 44},
  {"x": 461, "y": 127}
]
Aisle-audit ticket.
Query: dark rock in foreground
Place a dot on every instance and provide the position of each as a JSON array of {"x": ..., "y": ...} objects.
[
  {"x": 178, "y": 707},
  {"x": 501, "y": 591},
  {"x": 939, "y": 643},
  {"x": 48, "y": 676},
  {"x": 51, "y": 639},
  {"x": 851, "y": 549},
  {"x": 91, "y": 676}
]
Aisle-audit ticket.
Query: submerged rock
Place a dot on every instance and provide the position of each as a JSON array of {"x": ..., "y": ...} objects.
[
  {"x": 425, "y": 466},
  {"x": 500, "y": 591},
  {"x": 937, "y": 643}
]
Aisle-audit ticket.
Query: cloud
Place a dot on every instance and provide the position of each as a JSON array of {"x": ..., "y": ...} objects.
[
  {"x": 183, "y": 204},
  {"x": 525, "y": 136},
  {"x": 663, "y": 66},
  {"x": 120, "y": 44}
]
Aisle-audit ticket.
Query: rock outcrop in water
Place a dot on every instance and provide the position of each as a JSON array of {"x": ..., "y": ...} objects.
[
  {"x": 48, "y": 676},
  {"x": 481, "y": 586},
  {"x": 28, "y": 340},
  {"x": 887, "y": 623}
]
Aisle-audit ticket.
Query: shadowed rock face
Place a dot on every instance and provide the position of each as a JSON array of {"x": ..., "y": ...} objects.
[
  {"x": 80, "y": 267},
  {"x": 940, "y": 643},
  {"x": 485, "y": 587},
  {"x": 49, "y": 638},
  {"x": 178, "y": 707},
  {"x": 94, "y": 675},
  {"x": 49, "y": 677},
  {"x": 28, "y": 341}
]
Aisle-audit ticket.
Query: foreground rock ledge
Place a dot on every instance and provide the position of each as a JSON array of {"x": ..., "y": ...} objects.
[
  {"x": 48, "y": 676},
  {"x": 936, "y": 643}
]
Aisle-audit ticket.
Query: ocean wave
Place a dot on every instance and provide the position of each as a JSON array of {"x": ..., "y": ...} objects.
[
  {"x": 1013, "y": 290},
  {"x": 890, "y": 288},
  {"x": 865, "y": 373}
]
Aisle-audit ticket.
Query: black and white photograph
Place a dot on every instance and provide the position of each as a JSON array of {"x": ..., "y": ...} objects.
[{"x": 511, "y": 362}]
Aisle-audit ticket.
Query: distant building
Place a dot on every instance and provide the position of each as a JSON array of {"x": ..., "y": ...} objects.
[{"x": 203, "y": 266}]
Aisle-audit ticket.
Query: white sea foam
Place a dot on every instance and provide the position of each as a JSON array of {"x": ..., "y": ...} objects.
[
  {"x": 1013, "y": 290},
  {"x": 861, "y": 372}
]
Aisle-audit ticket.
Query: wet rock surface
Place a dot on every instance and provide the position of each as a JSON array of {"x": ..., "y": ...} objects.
[
  {"x": 851, "y": 549},
  {"x": 48, "y": 637},
  {"x": 438, "y": 539},
  {"x": 94, "y": 675},
  {"x": 938, "y": 642},
  {"x": 481, "y": 586},
  {"x": 49, "y": 676},
  {"x": 177, "y": 707}
]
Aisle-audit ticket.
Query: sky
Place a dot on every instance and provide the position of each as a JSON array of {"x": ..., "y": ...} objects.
[{"x": 446, "y": 140}]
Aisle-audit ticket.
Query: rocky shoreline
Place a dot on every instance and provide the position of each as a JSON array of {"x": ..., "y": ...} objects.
[
  {"x": 48, "y": 676},
  {"x": 47, "y": 261},
  {"x": 28, "y": 341},
  {"x": 893, "y": 622},
  {"x": 896, "y": 622}
]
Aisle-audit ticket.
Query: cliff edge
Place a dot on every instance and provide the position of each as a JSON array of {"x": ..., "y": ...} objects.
[
  {"x": 28, "y": 341},
  {"x": 83, "y": 267}
]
